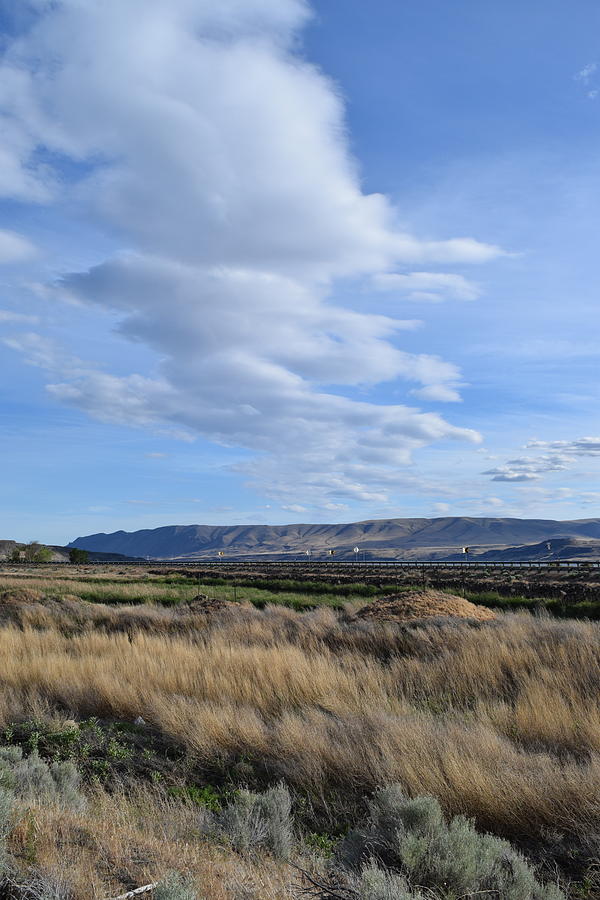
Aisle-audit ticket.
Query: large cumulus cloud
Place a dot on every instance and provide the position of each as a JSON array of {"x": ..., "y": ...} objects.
[{"x": 198, "y": 136}]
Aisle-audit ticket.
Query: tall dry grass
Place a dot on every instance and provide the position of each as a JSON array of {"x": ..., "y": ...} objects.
[
  {"x": 120, "y": 842},
  {"x": 500, "y": 721}
]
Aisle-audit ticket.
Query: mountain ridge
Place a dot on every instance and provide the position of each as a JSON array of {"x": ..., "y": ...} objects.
[{"x": 377, "y": 538}]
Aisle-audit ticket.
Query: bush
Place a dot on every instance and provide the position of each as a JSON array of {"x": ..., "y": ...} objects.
[
  {"x": 253, "y": 821},
  {"x": 30, "y": 778},
  {"x": 377, "y": 884},
  {"x": 275, "y": 807},
  {"x": 412, "y": 838},
  {"x": 175, "y": 887},
  {"x": 78, "y": 556},
  {"x": 31, "y": 552},
  {"x": 67, "y": 781}
]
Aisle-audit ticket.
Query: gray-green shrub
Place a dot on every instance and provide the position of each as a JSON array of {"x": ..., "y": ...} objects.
[
  {"x": 412, "y": 838},
  {"x": 31, "y": 778},
  {"x": 375, "y": 883},
  {"x": 175, "y": 886},
  {"x": 259, "y": 820}
]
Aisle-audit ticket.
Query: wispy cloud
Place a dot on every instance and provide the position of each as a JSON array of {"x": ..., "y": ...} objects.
[
  {"x": 9, "y": 317},
  {"x": 588, "y": 76},
  {"x": 585, "y": 446},
  {"x": 14, "y": 247},
  {"x": 427, "y": 286},
  {"x": 586, "y": 73}
]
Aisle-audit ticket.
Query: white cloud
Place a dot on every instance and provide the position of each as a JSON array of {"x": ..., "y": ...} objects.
[
  {"x": 241, "y": 141},
  {"x": 511, "y": 476},
  {"x": 429, "y": 286},
  {"x": 294, "y": 507},
  {"x": 562, "y": 455},
  {"x": 437, "y": 393},
  {"x": 220, "y": 156},
  {"x": 14, "y": 247},
  {"x": 529, "y": 468}
]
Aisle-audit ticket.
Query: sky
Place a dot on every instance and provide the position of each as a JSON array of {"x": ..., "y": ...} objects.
[{"x": 276, "y": 261}]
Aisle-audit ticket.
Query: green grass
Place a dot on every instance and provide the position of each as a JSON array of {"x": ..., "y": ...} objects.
[
  {"x": 174, "y": 589},
  {"x": 584, "y": 609},
  {"x": 102, "y": 751}
]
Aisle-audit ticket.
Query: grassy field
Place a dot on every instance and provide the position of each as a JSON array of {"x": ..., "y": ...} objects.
[
  {"x": 171, "y": 590},
  {"x": 133, "y": 586},
  {"x": 226, "y": 745}
]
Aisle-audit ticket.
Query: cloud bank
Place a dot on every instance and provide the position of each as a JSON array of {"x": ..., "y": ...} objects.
[{"x": 197, "y": 136}]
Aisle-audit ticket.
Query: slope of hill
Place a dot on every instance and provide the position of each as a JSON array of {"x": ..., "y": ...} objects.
[
  {"x": 61, "y": 554},
  {"x": 378, "y": 538}
]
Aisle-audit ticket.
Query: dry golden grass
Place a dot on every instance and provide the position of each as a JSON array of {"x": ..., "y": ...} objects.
[
  {"x": 499, "y": 721},
  {"x": 121, "y": 842}
]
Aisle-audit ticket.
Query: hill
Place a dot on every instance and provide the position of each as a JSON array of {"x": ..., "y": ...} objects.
[
  {"x": 438, "y": 538},
  {"x": 61, "y": 554}
]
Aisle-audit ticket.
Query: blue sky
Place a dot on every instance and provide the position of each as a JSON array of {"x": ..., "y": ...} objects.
[{"x": 266, "y": 261}]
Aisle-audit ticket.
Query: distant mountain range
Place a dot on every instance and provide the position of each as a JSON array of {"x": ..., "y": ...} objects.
[{"x": 440, "y": 538}]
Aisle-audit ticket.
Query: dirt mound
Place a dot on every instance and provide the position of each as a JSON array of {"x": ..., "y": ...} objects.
[
  {"x": 422, "y": 605},
  {"x": 19, "y": 596},
  {"x": 202, "y": 603},
  {"x": 17, "y": 603}
]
